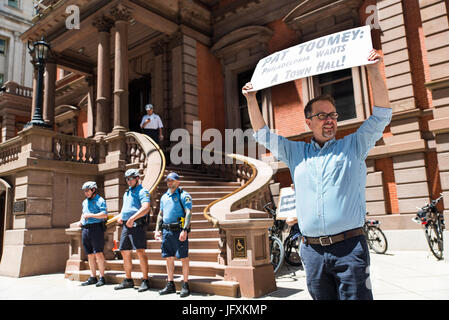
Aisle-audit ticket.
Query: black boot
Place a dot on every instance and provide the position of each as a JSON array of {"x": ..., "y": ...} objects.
[
  {"x": 101, "y": 282},
  {"x": 126, "y": 283},
  {"x": 169, "y": 288},
  {"x": 185, "y": 291},
  {"x": 144, "y": 286},
  {"x": 91, "y": 280}
]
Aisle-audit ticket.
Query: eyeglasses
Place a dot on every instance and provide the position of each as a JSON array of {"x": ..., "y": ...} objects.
[
  {"x": 324, "y": 116},
  {"x": 130, "y": 178}
]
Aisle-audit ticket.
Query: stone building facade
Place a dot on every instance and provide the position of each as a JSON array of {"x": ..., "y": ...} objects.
[
  {"x": 190, "y": 60},
  {"x": 15, "y": 18}
]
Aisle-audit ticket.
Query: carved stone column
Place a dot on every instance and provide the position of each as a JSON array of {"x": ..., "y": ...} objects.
[
  {"x": 121, "y": 16},
  {"x": 48, "y": 110},
  {"x": 103, "y": 101},
  {"x": 90, "y": 106}
]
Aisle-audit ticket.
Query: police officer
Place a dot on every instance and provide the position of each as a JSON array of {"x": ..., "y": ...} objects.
[
  {"x": 174, "y": 220},
  {"x": 151, "y": 124},
  {"x": 93, "y": 216},
  {"x": 136, "y": 204}
]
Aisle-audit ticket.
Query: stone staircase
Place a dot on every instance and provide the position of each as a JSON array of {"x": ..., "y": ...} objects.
[{"x": 206, "y": 274}]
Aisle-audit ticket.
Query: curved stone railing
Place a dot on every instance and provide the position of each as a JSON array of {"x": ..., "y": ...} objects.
[
  {"x": 143, "y": 152},
  {"x": 253, "y": 194}
]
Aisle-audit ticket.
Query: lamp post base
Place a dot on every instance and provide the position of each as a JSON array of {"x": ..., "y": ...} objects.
[{"x": 38, "y": 123}]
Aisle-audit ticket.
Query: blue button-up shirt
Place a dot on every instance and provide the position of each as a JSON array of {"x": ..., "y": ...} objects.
[
  {"x": 171, "y": 207},
  {"x": 133, "y": 198},
  {"x": 95, "y": 205},
  {"x": 330, "y": 180}
]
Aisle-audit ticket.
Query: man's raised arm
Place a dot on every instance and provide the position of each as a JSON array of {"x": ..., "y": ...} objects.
[
  {"x": 255, "y": 116},
  {"x": 380, "y": 91}
]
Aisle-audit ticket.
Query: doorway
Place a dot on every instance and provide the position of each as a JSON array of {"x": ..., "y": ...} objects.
[{"x": 139, "y": 96}]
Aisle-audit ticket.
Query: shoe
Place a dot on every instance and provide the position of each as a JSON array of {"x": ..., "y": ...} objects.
[
  {"x": 101, "y": 282},
  {"x": 144, "y": 286},
  {"x": 126, "y": 283},
  {"x": 185, "y": 291},
  {"x": 169, "y": 288},
  {"x": 91, "y": 280}
]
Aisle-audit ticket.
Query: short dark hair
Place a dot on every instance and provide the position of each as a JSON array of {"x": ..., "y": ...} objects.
[{"x": 324, "y": 97}]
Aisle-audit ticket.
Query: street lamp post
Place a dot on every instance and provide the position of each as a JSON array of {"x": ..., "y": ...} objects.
[{"x": 39, "y": 52}]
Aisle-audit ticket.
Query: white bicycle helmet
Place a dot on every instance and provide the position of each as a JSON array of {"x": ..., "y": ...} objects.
[{"x": 89, "y": 185}]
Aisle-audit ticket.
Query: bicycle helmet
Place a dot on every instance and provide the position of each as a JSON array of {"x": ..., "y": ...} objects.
[
  {"x": 89, "y": 185},
  {"x": 132, "y": 173}
]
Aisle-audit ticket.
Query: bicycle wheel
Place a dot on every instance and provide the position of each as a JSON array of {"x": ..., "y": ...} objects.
[
  {"x": 434, "y": 238},
  {"x": 292, "y": 256},
  {"x": 377, "y": 240},
  {"x": 276, "y": 253}
]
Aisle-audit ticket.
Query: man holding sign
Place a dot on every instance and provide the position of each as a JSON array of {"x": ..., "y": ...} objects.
[{"x": 330, "y": 178}]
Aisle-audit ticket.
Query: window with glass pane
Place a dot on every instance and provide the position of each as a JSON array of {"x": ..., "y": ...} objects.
[
  {"x": 339, "y": 85},
  {"x": 2, "y": 46},
  {"x": 242, "y": 79},
  {"x": 13, "y": 3}
]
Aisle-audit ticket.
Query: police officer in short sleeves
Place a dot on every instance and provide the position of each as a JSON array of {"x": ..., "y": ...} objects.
[
  {"x": 136, "y": 204},
  {"x": 93, "y": 216},
  {"x": 174, "y": 219}
]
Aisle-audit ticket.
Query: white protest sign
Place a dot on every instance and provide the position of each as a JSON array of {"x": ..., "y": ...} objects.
[
  {"x": 287, "y": 204},
  {"x": 334, "y": 52}
]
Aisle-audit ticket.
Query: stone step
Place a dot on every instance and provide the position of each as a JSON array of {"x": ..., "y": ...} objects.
[
  {"x": 198, "y": 243},
  {"x": 197, "y": 284},
  {"x": 194, "y": 233},
  {"x": 207, "y": 188},
  {"x": 197, "y": 268},
  {"x": 195, "y": 224},
  {"x": 210, "y": 255},
  {"x": 188, "y": 183}
]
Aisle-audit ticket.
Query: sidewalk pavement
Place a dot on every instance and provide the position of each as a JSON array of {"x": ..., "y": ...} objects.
[{"x": 397, "y": 275}]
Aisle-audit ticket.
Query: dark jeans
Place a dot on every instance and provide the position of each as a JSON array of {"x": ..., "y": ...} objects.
[{"x": 339, "y": 271}]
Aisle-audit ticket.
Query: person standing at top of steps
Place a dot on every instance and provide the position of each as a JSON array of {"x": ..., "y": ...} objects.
[
  {"x": 174, "y": 219},
  {"x": 135, "y": 209}
]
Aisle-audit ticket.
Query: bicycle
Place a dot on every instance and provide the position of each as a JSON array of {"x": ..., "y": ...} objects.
[
  {"x": 275, "y": 235},
  {"x": 433, "y": 222},
  {"x": 291, "y": 245},
  {"x": 374, "y": 236}
]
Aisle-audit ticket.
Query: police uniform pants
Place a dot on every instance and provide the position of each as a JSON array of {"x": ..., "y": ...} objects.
[
  {"x": 172, "y": 247},
  {"x": 93, "y": 238}
]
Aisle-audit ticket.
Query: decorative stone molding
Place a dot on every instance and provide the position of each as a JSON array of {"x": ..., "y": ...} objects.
[
  {"x": 242, "y": 38},
  {"x": 103, "y": 24},
  {"x": 121, "y": 13},
  {"x": 313, "y": 19}
]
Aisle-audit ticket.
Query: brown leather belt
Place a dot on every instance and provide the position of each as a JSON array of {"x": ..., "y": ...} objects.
[{"x": 328, "y": 240}]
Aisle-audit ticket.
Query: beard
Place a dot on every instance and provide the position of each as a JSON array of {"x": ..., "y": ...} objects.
[{"x": 329, "y": 132}]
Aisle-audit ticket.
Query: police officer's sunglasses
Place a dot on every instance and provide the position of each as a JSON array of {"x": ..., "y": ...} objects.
[{"x": 324, "y": 116}]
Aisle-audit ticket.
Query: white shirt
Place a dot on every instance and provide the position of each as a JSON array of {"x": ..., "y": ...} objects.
[{"x": 155, "y": 122}]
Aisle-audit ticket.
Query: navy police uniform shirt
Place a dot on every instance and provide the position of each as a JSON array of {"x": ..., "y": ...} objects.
[
  {"x": 133, "y": 199},
  {"x": 170, "y": 206}
]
